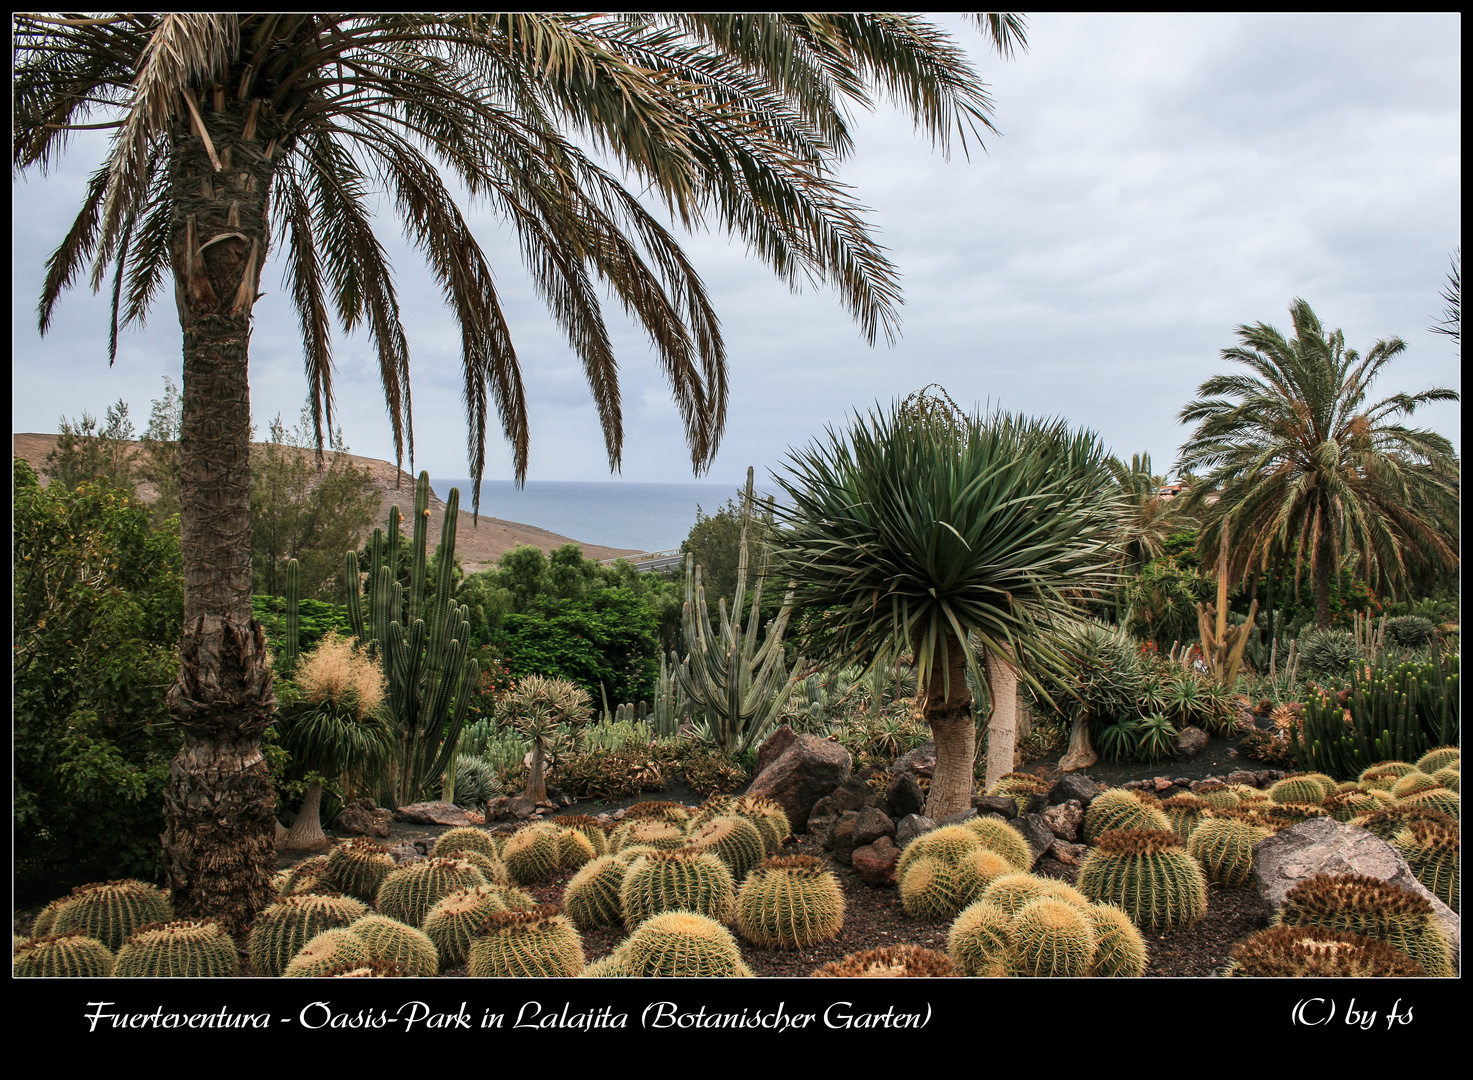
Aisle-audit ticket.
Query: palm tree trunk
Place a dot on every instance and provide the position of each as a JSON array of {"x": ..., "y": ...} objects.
[
  {"x": 1002, "y": 727},
  {"x": 955, "y": 732},
  {"x": 219, "y": 841}
]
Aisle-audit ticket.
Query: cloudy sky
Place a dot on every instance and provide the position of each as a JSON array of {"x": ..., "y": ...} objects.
[{"x": 1160, "y": 180}]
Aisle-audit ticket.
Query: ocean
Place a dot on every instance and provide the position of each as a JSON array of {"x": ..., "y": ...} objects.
[{"x": 646, "y": 517}]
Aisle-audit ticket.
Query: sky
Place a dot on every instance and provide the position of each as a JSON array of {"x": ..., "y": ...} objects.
[{"x": 1159, "y": 181}]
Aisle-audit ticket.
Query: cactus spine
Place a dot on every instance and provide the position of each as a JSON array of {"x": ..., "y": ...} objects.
[
  {"x": 684, "y": 880},
  {"x": 410, "y": 891},
  {"x": 411, "y": 950},
  {"x": 682, "y": 944}
]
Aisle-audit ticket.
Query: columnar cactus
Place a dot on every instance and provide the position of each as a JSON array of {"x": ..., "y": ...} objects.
[
  {"x": 1224, "y": 847},
  {"x": 682, "y": 944},
  {"x": 790, "y": 903},
  {"x": 1374, "y": 909},
  {"x": 410, "y": 891},
  {"x": 72, "y": 955},
  {"x": 328, "y": 950},
  {"x": 540, "y": 943},
  {"x": 453, "y": 922},
  {"x": 180, "y": 949},
  {"x": 1121, "y": 809},
  {"x": 110, "y": 911},
  {"x": 413, "y": 951},
  {"x": 358, "y": 867},
  {"x": 280, "y": 932},
  {"x": 1052, "y": 939},
  {"x": 1317, "y": 952},
  {"x": 891, "y": 962},
  {"x": 592, "y": 896},
  {"x": 685, "y": 880},
  {"x": 1148, "y": 875}
]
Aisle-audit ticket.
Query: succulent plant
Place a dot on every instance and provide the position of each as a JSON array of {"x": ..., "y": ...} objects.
[
  {"x": 1052, "y": 939},
  {"x": 1220, "y": 796},
  {"x": 1019, "y": 787},
  {"x": 67, "y": 955},
  {"x": 1120, "y": 809},
  {"x": 735, "y": 840},
  {"x": 358, "y": 867},
  {"x": 1383, "y": 774},
  {"x": 531, "y": 854},
  {"x": 671, "y": 813},
  {"x": 607, "y": 967},
  {"x": 592, "y": 896},
  {"x": 1012, "y": 892},
  {"x": 1347, "y": 805},
  {"x": 769, "y": 817},
  {"x": 1148, "y": 875},
  {"x": 949, "y": 843},
  {"x": 1450, "y": 777},
  {"x": 1184, "y": 812},
  {"x": 47, "y": 918},
  {"x": 328, "y": 950},
  {"x": 1317, "y": 952},
  {"x": 978, "y": 941},
  {"x": 1432, "y": 851},
  {"x": 790, "y": 902},
  {"x": 180, "y": 949},
  {"x": 1224, "y": 847},
  {"x": 1440, "y": 799},
  {"x": 410, "y": 891},
  {"x": 452, "y": 923},
  {"x": 591, "y": 828},
  {"x": 280, "y": 932},
  {"x": 540, "y": 943},
  {"x": 648, "y": 832},
  {"x": 109, "y": 911},
  {"x": 413, "y": 951},
  {"x": 465, "y": 838},
  {"x": 574, "y": 849},
  {"x": 686, "y": 880},
  {"x": 308, "y": 876},
  {"x": 1374, "y": 909},
  {"x": 1120, "y": 951},
  {"x": 491, "y": 868},
  {"x": 1438, "y": 758},
  {"x": 1297, "y": 789},
  {"x": 891, "y": 962},
  {"x": 1002, "y": 838},
  {"x": 1413, "y": 783},
  {"x": 682, "y": 944},
  {"x": 367, "y": 969},
  {"x": 1388, "y": 821}
]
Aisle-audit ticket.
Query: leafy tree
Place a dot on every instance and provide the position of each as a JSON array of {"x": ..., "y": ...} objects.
[
  {"x": 715, "y": 540},
  {"x": 929, "y": 530},
  {"x": 302, "y": 509},
  {"x": 1451, "y": 323},
  {"x": 736, "y": 119},
  {"x": 85, "y": 453},
  {"x": 158, "y": 458},
  {"x": 1306, "y": 469},
  {"x": 98, "y": 606}
]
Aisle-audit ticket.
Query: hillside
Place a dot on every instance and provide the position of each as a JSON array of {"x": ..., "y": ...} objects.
[{"x": 478, "y": 547}]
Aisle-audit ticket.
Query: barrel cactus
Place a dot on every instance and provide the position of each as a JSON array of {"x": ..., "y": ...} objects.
[
  {"x": 1002, "y": 838},
  {"x": 1019, "y": 787},
  {"x": 465, "y": 838},
  {"x": 387, "y": 939},
  {"x": 1317, "y": 952},
  {"x": 491, "y": 867},
  {"x": 1432, "y": 851},
  {"x": 328, "y": 950},
  {"x": 452, "y": 923},
  {"x": 531, "y": 854},
  {"x": 1390, "y": 820},
  {"x": 1440, "y": 758},
  {"x": 607, "y": 967},
  {"x": 790, "y": 902},
  {"x": 1221, "y": 796},
  {"x": 284, "y": 928},
  {"x": 1052, "y": 939},
  {"x": 67, "y": 955},
  {"x": 358, "y": 867},
  {"x": 110, "y": 911},
  {"x": 931, "y": 888},
  {"x": 592, "y": 896},
  {"x": 47, "y": 917},
  {"x": 1374, "y": 909},
  {"x": 891, "y": 962},
  {"x": 1148, "y": 875},
  {"x": 308, "y": 876},
  {"x": 648, "y": 832},
  {"x": 769, "y": 817},
  {"x": 1413, "y": 783},
  {"x": 1297, "y": 789},
  {"x": 574, "y": 849},
  {"x": 180, "y": 949},
  {"x": 1120, "y": 951},
  {"x": 671, "y": 813},
  {"x": 686, "y": 880},
  {"x": 410, "y": 891},
  {"x": 540, "y": 943},
  {"x": 1439, "y": 798},
  {"x": 1184, "y": 812},
  {"x": 948, "y": 843},
  {"x": 682, "y": 944},
  {"x": 734, "y": 840},
  {"x": 978, "y": 941},
  {"x": 1224, "y": 847},
  {"x": 592, "y": 830},
  {"x": 1120, "y": 809}
]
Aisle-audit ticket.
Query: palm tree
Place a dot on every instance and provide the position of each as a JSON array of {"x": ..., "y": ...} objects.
[
  {"x": 927, "y": 530},
  {"x": 234, "y": 132},
  {"x": 1148, "y": 519},
  {"x": 1303, "y": 467}
]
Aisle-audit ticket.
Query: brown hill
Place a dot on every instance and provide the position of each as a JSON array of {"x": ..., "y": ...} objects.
[{"x": 478, "y": 546}]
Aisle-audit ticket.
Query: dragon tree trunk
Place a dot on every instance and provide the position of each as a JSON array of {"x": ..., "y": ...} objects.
[{"x": 950, "y": 717}]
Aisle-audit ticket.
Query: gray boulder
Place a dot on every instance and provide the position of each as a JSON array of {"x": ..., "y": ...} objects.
[{"x": 432, "y": 813}]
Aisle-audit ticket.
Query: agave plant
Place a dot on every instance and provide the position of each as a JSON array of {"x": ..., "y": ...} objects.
[{"x": 928, "y": 530}]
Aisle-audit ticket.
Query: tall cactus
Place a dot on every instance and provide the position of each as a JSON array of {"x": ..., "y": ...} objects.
[
  {"x": 741, "y": 687},
  {"x": 293, "y": 613},
  {"x": 423, "y": 649}
]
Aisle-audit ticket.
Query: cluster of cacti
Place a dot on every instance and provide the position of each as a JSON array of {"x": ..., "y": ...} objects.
[
  {"x": 540, "y": 943},
  {"x": 1431, "y": 849},
  {"x": 1218, "y": 795},
  {"x": 1184, "y": 812},
  {"x": 328, "y": 950},
  {"x": 1224, "y": 847},
  {"x": 790, "y": 902},
  {"x": 1317, "y": 952},
  {"x": 1374, "y": 909},
  {"x": 358, "y": 867},
  {"x": 452, "y": 923},
  {"x": 671, "y": 813},
  {"x": 1051, "y": 938},
  {"x": 942, "y": 871},
  {"x": 686, "y": 880},
  {"x": 891, "y": 962},
  {"x": 1117, "y": 809},
  {"x": 412, "y": 951},
  {"x": 769, "y": 817},
  {"x": 1387, "y": 821},
  {"x": 280, "y": 932},
  {"x": 66, "y": 955},
  {"x": 410, "y": 891},
  {"x": 592, "y": 830},
  {"x": 180, "y": 949},
  {"x": 1148, "y": 875},
  {"x": 732, "y": 839},
  {"x": 682, "y": 944},
  {"x": 592, "y": 895},
  {"x": 1344, "y": 806},
  {"x": 1000, "y": 837},
  {"x": 109, "y": 911}
]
